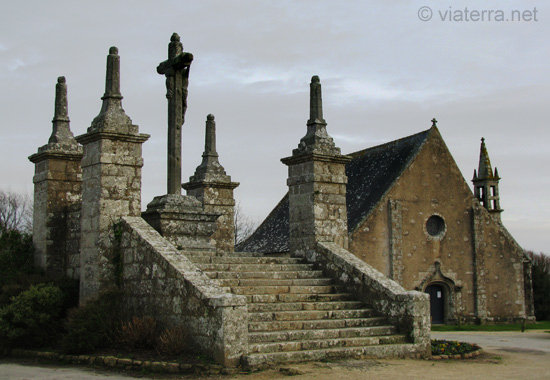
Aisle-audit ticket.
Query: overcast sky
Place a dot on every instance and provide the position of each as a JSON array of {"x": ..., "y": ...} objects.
[{"x": 385, "y": 73}]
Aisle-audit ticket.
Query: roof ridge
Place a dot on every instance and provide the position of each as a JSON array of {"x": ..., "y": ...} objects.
[{"x": 354, "y": 154}]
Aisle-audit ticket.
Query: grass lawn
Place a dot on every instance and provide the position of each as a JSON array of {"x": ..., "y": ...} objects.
[{"x": 543, "y": 325}]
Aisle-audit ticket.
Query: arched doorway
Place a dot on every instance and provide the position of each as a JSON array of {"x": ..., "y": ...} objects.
[{"x": 437, "y": 303}]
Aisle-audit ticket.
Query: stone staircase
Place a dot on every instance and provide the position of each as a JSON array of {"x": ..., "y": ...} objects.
[{"x": 295, "y": 313}]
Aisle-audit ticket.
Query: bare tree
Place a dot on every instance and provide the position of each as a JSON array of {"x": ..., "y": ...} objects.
[
  {"x": 15, "y": 212},
  {"x": 244, "y": 226}
]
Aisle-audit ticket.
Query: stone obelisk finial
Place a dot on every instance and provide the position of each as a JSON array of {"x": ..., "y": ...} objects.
[
  {"x": 112, "y": 115},
  {"x": 316, "y": 140},
  {"x": 112, "y": 79},
  {"x": 315, "y": 102},
  {"x": 213, "y": 187},
  {"x": 210, "y": 137},
  {"x": 176, "y": 69},
  {"x": 61, "y": 132},
  {"x": 210, "y": 168}
]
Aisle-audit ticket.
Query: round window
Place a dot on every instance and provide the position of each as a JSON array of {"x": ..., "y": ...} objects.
[{"x": 435, "y": 226}]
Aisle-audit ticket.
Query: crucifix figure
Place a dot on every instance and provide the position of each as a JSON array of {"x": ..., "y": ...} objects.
[{"x": 176, "y": 69}]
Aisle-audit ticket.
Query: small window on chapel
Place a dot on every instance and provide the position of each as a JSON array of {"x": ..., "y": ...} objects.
[{"x": 435, "y": 226}]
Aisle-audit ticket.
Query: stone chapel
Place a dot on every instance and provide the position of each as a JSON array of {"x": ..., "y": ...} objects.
[{"x": 412, "y": 216}]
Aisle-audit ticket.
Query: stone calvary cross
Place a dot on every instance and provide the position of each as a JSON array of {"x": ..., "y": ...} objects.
[{"x": 176, "y": 69}]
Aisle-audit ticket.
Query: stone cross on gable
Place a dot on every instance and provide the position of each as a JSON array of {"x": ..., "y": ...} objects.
[{"x": 176, "y": 69}]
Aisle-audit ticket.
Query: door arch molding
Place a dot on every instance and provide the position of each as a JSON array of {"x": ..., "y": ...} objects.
[{"x": 451, "y": 290}]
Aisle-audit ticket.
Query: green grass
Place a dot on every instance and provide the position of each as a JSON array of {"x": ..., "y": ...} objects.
[{"x": 543, "y": 325}]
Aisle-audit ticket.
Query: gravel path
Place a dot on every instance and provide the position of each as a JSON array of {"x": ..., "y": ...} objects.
[{"x": 508, "y": 355}]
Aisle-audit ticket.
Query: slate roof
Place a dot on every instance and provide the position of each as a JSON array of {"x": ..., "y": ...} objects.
[{"x": 371, "y": 173}]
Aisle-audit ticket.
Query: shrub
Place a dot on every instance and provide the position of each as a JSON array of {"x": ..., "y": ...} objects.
[
  {"x": 16, "y": 271},
  {"x": 138, "y": 333},
  {"x": 541, "y": 285},
  {"x": 16, "y": 256},
  {"x": 70, "y": 288},
  {"x": 173, "y": 341},
  {"x": 18, "y": 283},
  {"x": 93, "y": 325},
  {"x": 33, "y": 317},
  {"x": 447, "y": 347}
]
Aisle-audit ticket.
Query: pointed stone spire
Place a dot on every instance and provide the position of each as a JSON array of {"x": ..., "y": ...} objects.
[
  {"x": 486, "y": 184},
  {"x": 210, "y": 137},
  {"x": 112, "y": 78},
  {"x": 61, "y": 140},
  {"x": 61, "y": 112},
  {"x": 484, "y": 169},
  {"x": 213, "y": 187},
  {"x": 112, "y": 115},
  {"x": 316, "y": 140},
  {"x": 210, "y": 168},
  {"x": 61, "y": 132},
  {"x": 315, "y": 102}
]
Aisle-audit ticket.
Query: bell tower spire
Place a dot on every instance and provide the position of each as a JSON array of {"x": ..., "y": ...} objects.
[{"x": 486, "y": 183}]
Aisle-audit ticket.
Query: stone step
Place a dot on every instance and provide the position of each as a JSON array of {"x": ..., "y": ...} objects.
[
  {"x": 246, "y": 254},
  {"x": 293, "y": 335},
  {"x": 313, "y": 289},
  {"x": 191, "y": 255},
  {"x": 375, "y": 351},
  {"x": 244, "y": 260},
  {"x": 296, "y": 297},
  {"x": 306, "y": 315},
  {"x": 320, "y": 344},
  {"x": 254, "y": 267},
  {"x": 315, "y": 324},
  {"x": 274, "y": 282},
  {"x": 296, "y": 306},
  {"x": 272, "y": 275}
]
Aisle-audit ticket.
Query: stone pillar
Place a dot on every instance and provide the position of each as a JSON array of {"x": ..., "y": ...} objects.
[
  {"x": 317, "y": 185},
  {"x": 182, "y": 221},
  {"x": 213, "y": 187},
  {"x": 111, "y": 175},
  {"x": 395, "y": 217},
  {"x": 480, "y": 291},
  {"x": 57, "y": 195}
]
